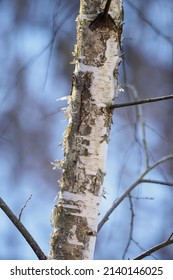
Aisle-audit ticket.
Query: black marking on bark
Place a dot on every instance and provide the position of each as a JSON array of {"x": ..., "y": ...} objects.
[{"x": 102, "y": 21}]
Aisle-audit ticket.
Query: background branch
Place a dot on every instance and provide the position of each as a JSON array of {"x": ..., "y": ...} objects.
[
  {"x": 153, "y": 26},
  {"x": 143, "y": 101},
  {"x": 159, "y": 246},
  {"x": 33, "y": 244},
  {"x": 157, "y": 182},
  {"x": 127, "y": 192},
  {"x": 131, "y": 226},
  {"x": 21, "y": 211}
]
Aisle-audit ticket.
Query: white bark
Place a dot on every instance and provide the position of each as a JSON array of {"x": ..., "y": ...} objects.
[{"x": 94, "y": 88}]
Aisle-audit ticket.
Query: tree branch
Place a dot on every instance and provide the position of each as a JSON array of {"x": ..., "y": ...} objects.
[
  {"x": 141, "y": 121},
  {"x": 159, "y": 246},
  {"x": 131, "y": 227},
  {"x": 143, "y": 101},
  {"x": 157, "y": 182},
  {"x": 33, "y": 244},
  {"x": 106, "y": 9},
  {"x": 21, "y": 211},
  {"x": 154, "y": 27},
  {"x": 124, "y": 195}
]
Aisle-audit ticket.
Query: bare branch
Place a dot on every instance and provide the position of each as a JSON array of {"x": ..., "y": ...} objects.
[
  {"x": 157, "y": 182},
  {"x": 126, "y": 193},
  {"x": 154, "y": 27},
  {"x": 159, "y": 246},
  {"x": 131, "y": 226},
  {"x": 140, "y": 119},
  {"x": 21, "y": 211},
  {"x": 143, "y": 101},
  {"x": 133, "y": 214},
  {"x": 141, "y": 248},
  {"x": 107, "y": 6},
  {"x": 33, "y": 244}
]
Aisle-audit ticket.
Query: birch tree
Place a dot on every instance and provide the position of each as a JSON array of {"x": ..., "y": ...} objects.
[
  {"x": 138, "y": 183},
  {"x": 94, "y": 89}
]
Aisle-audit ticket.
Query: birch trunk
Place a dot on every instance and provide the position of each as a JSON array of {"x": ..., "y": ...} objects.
[{"x": 94, "y": 87}]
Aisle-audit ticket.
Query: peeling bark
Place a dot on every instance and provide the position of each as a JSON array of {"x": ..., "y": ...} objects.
[{"x": 94, "y": 88}]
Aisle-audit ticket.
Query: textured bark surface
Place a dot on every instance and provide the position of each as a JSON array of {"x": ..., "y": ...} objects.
[{"x": 94, "y": 88}]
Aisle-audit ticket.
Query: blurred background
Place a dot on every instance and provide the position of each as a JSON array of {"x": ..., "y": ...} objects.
[{"x": 36, "y": 44}]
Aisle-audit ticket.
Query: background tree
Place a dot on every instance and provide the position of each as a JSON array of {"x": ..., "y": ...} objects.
[{"x": 33, "y": 70}]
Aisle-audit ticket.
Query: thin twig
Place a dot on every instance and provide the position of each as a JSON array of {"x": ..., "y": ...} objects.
[
  {"x": 159, "y": 246},
  {"x": 125, "y": 193},
  {"x": 154, "y": 27},
  {"x": 142, "y": 198},
  {"x": 21, "y": 211},
  {"x": 140, "y": 118},
  {"x": 131, "y": 227},
  {"x": 133, "y": 214},
  {"x": 157, "y": 182},
  {"x": 143, "y": 101},
  {"x": 33, "y": 244},
  {"x": 141, "y": 248}
]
